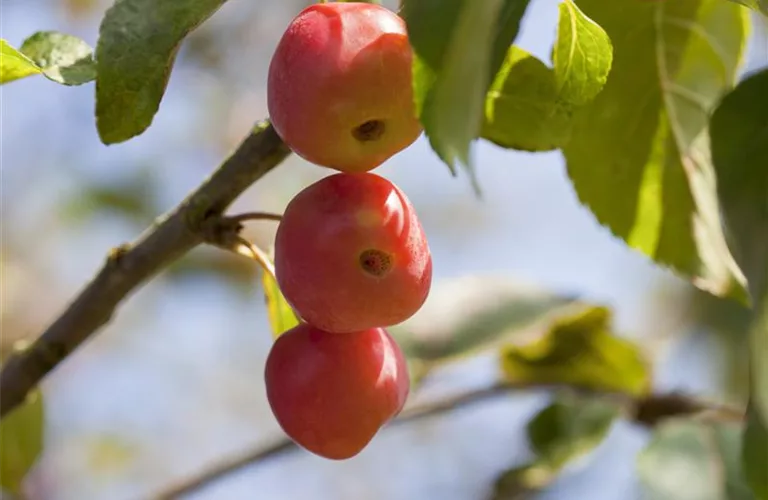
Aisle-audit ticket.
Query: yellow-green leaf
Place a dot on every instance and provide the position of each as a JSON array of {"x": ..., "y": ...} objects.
[
  {"x": 582, "y": 56},
  {"x": 638, "y": 155},
  {"x": 63, "y": 58},
  {"x": 21, "y": 441},
  {"x": 580, "y": 350},
  {"x": 458, "y": 45},
  {"x": 523, "y": 109},
  {"x": 281, "y": 315},
  {"x": 14, "y": 65}
]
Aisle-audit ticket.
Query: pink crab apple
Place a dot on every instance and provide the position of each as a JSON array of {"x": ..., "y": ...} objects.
[
  {"x": 351, "y": 254},
  {"x": 332, "y": 393},
  {"x": 339, "y": 86}
]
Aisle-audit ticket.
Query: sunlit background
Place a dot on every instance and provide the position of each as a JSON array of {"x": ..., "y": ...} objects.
[{"x": 175, "y": 383}]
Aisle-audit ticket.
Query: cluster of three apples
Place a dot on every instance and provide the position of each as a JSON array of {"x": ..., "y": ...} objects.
[{"x": 351, "y": 257}]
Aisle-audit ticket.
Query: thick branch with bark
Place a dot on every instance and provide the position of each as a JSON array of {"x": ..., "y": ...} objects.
[{"x": 131, "y": 265}]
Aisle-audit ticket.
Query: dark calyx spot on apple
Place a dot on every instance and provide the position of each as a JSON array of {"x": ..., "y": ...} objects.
[
  {"x": 375, "y": 262},
  {"x": 369, "y": 131}
]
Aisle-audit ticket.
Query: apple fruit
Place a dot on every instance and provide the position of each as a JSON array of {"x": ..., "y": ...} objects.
[
  {"x": 331, "y": 393},
  {"x": 339, "y": 87},
  {"x": 351, "y": 254}
]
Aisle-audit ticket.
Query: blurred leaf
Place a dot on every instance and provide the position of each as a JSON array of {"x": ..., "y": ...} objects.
[
  {"x": 471, "y": 313},
  {"x": 638, "y": 153},
  {"x": 754, "y": 456},
  {"x": 213, "y": 263},
  {"x": 281, "y": 315},
  {"x": 739, "y": 139},
  {"x": 456, "y": 56},
  {"x": 570, "y": 428},
  {"x": 563, "y": 432},
  {"x": 21, "y": 441},
  {"x": 522, "y": 108},
  {"x": 729, "y": 445},
  {"x": 581, "y": 57},
  {"x": 138, "y": 41},
  {"x": 14, "y": 65},
  {"x": 132, "y": 198},
  {"x": 580, "y": 350},
  {"x": 757, "y": 5},
  {"x": 692, "y": 460},
  {"x": 522, "y": 483},
  {"x": 63, "y": 58}
]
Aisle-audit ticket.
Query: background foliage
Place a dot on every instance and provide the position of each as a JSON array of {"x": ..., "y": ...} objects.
[{"x": 624, "y": 103}]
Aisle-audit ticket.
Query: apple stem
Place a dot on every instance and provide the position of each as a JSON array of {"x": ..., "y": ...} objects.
[
  {"x": 250, "y": 250},
  {"x": 248, "y": 216}
]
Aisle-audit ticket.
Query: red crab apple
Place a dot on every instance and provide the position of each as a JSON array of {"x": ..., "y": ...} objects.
[
  {"x": 339, "y": 86},
  {"x": 331, "y": 393},
  {"x": 350, "y": 254}
]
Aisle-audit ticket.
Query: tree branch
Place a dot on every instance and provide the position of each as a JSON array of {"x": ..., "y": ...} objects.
[
  {"x": 648, "y": 411},
  {"x": 131, "y": 265}
]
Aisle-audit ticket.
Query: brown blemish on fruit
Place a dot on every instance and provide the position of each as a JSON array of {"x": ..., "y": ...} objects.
[
  {"x": 375, "y": 262},
  {"x": 369, "y": 131}
]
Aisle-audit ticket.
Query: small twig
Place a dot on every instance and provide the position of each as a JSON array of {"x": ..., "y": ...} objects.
[
  {"x": 225, "y": 467},
  {"x": 647, "y": 411},
  {"x": 224, "y": 232},
  {"x": 248, "y": 216},
  {"x": 248, "y": 249}
]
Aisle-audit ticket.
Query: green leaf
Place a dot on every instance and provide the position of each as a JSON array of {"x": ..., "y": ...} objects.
[
  {"x": 580, "y": 350},
  {"x": 582, "y": 56},
  {"x": 456, "y": 56},
  {"x": 759, "y": 359},
  {"x": 21, "y": 441},
  {"x": 754, "y": 458},
  {"x": 567, "y": 430},
  {"x": 638, "y": 153},
  {"x": 755, "y": 455},
  {"x": 63, "y": 58},
  {"x": 472, "y": 313},
  {"x": 281, "y": 315},
  {"x": 522, "y": 108},
  {"x": 739, "y": 140},
  {"x": 529, "y": 106},
  {"x": 758, "y": 5},
  {"x": 570, "y": 428},
  {"x": 693, "y": 460},
  {"x": 138, "y": 41},
  {"x": 14, "y": 65}
]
